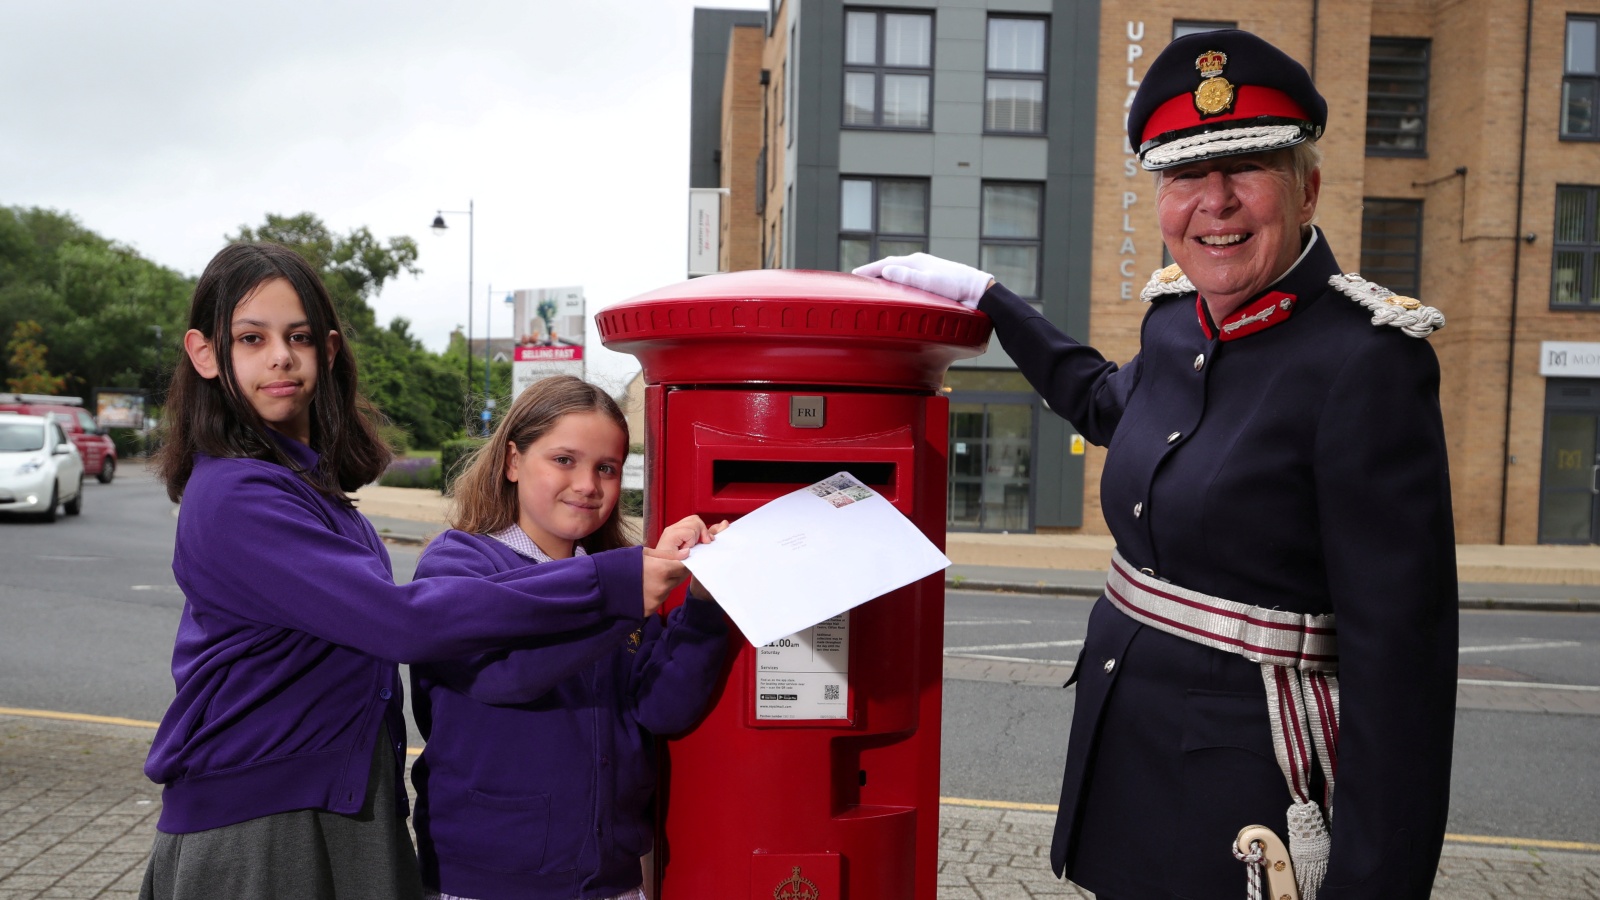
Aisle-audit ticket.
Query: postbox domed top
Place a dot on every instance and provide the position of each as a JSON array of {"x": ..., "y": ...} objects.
[{"x": 793, "y": 326}]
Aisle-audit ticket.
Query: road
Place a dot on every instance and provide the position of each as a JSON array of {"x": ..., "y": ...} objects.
[
  {"x": 88, "y": 609},
  {"x": 1516, "y": 774}
]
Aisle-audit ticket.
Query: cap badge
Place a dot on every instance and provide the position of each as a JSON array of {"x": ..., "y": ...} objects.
[{"x": 1215, "y": 94}]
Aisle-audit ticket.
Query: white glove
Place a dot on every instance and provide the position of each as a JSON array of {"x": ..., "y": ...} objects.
[{"x": 958, "y": 282}]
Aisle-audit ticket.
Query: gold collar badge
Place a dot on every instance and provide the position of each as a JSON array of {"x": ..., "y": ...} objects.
[{"x": 1215, "y": 94}]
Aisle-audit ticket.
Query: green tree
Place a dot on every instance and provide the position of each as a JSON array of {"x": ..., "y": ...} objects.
[
  {"x": 30, "y": 374},
  {"x": 421, "y": 392},
  {"x": 109, "y": 316}
]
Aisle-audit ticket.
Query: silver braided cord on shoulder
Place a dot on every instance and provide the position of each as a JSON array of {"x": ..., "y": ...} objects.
[
  {"x": 1388, "y": 308},
  {"x": 1166, "y": 282}
]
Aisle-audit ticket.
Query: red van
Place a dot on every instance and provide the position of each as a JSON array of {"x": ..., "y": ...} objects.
[{"x": 94, "y": 445}]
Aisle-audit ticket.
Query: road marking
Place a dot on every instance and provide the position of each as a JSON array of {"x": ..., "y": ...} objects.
[
  {"x": 1522, "y": 842},
  {"x": 1035, "y": 645},
  {"x": 76, "y": 717},
  {"x": 1545, "y": 645},
  {"x": 107, "y": 720},
  {"x": 1019, "y": 659},
  {"x": 991, "y": 622},
  {"x": 997, "y": 804},
  {"x": 1492, "y": 840},
  {"x": 1530, "y": 684},
  {"x": 164, "y": 588}
]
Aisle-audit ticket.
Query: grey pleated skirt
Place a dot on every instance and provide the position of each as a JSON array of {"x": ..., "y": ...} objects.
[{"x": 307, "y": 853}]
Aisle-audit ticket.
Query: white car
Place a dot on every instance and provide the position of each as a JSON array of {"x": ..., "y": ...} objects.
[{"x": 40, "y": 469}]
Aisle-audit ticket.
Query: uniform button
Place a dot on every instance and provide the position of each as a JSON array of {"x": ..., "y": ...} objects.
[
  {"x": 385, "y": 693},
  {"x": 1173, "y": 436},
  {"x": 1110, "y": 664},
  {"x": 1137, "y": 509},
  {"x": 1199, "y": 362},
  {"x": 399, "y": 745}
]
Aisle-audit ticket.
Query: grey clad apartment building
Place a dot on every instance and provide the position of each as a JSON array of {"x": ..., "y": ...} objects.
[{"x": 992, "y": 132}]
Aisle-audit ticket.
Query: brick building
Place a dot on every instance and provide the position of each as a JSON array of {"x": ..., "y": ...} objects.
[{"x": 1462, "y": 167}]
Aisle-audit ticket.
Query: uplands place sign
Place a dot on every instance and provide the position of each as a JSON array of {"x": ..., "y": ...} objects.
[{"x": 1569, "y": 359}]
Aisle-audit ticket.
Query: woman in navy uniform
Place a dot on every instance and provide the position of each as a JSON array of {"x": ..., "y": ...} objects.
[{"x": 1277, "y": 642}]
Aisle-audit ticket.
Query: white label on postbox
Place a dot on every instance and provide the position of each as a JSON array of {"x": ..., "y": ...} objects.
[{"x": 807, "y": 674}]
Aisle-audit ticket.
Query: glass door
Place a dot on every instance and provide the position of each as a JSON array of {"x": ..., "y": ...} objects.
[
  {"x": 991, "y": 456},
  {"x": 1570, "y": 486}
]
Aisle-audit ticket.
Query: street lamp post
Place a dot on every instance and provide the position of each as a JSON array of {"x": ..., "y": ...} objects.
[
  {"x": 488, "y": 395},
  {"x": 439, "y": 227}
]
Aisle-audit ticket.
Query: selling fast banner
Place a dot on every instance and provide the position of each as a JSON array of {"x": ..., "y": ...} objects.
[{"x": 549, "y": 326}]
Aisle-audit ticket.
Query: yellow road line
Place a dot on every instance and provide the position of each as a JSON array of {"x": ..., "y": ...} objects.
[
  {"x": 1578, "y": 846},
  {"x": 997, "y": 804},
  {"x": 76, "y": 717},
  {"x": 1522, "y": 842}
]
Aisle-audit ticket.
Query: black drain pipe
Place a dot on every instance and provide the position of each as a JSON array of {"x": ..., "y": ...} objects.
[{"x": 1516, "y": 270}]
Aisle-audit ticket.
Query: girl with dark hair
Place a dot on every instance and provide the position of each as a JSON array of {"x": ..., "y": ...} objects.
[
  {"x": 538, "y": 776},
  {"x": 280, "y": 754}
]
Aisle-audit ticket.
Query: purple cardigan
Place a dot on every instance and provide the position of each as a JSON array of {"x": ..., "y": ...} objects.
[
  {"x": 537, "y": 782},
  {"x": 292, "y": 625}
]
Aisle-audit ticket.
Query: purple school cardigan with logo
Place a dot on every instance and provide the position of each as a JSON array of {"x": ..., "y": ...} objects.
[
  {"x": 285, "y": 659},
  {"x": 539, "y": 778}
]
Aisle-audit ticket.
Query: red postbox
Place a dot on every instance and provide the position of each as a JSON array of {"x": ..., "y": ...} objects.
[{"x": 816, "y": 772}]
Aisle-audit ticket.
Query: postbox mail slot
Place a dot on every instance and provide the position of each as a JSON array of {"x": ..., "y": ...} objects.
[{"x": 767, "y": 479}]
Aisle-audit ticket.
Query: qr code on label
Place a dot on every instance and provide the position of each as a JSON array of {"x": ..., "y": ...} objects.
[{"x": 830, "y": 692}]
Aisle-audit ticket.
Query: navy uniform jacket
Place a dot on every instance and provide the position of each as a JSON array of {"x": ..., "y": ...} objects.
[{"x": 1300, "y": 466}]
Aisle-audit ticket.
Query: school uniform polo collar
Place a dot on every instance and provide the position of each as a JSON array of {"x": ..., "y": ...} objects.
[{"x": 1277, "y": 303}]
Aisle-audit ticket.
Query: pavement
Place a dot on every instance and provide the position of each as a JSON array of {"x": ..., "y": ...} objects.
[{"x": 77, "y": 815}]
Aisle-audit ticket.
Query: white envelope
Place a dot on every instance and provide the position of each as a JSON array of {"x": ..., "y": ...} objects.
[{"x": 812, "y": 554}]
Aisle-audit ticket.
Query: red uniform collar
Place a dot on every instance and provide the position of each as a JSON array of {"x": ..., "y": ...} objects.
[{"x": 1259, "y": 314}]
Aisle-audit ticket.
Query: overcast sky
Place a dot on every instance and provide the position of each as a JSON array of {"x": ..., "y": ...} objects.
[{"x": 167, "y": 125}]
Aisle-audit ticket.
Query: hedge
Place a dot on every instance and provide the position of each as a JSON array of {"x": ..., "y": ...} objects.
[{"x": 412, "y": 472}]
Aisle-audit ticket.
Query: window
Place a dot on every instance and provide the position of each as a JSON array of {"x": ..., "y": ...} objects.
[
  {"x": 1581, "y": 83},
  {"x": 881, "y": 217},
  {"x": 1013, "y": 92},
  {"x": 888, "y": 70},
  {"x": 1391, "y": 244},
  {"x": 1009, "y": 235},
  {"x": 1573, "y": 280},
  {"x": 1183, "y": 28},
  {"x": 1397, "y": 97}
]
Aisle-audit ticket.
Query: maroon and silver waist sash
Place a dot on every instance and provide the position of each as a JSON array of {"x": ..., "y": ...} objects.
[{"x": 1299, "y": 657}]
